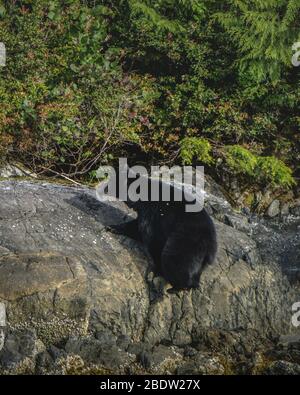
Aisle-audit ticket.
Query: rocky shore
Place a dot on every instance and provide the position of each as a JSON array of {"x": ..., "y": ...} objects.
[{"x": 81, "y": 300}]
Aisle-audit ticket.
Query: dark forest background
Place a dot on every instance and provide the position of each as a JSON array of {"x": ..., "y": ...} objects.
[{"x": 160, "y": 81}]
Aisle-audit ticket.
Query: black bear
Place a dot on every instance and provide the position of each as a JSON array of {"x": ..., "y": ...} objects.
[{"x": 181, "y": 243}]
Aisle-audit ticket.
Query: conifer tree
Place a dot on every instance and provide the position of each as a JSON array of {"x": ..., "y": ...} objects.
[{"x": 264, "y": 31}]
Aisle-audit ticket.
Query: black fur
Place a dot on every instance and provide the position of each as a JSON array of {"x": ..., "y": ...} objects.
[{"x": 181, "y": 243}]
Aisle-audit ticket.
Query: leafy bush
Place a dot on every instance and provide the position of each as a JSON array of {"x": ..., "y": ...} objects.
[
  {"x": 194, "y": 147},
  {"x": 88, "y": 81},
  {"x": 260, "y": 169},
  {"x": 66, "y": 102},
  {"x": 241, "y": 160},
  {"x": 274, "y": 171}
]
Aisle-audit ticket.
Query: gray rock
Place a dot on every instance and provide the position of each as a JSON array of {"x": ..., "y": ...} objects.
[
  {"x": 65, "y": 277},
  {"x": 56, "y": 353},
  {"x": 94, "y": 351},
  {"x": 63, "y": 274},
  {"x": 145, "y": 359},
  {"x": 15, "y": 170},
  {"x": 295, "y": 210},
  {"x": 139, "y": 348},
  {"x": 189, "y": 351},
  {"x": 158, "y": 359},
  {"x": 44, "y": 362},
  {"x": 202, "y": 364},
  {"x": 19, "y": 345},
  {"x": 238, "y": 222},
  {"x": 290, "y": 341},
  {"x": 123, "y": 342},
  {"x": 274, "y": 209},
  {"x": 279, "y": 243},
  {"x": 283, "y": 368},
  {"x": 165, "y": 359},
  {"x": 106, "y": 338},
  {"x": 115, "y": 358},
  {"x": 285, "y": 208},
  {"x": 88, "y": 348}
]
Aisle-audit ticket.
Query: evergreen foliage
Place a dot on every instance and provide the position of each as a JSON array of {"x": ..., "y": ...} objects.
[
  {"x": 264, "y": 31},
  {"x": 195, "y": 147},
  {"x": 188, "y": 81}
]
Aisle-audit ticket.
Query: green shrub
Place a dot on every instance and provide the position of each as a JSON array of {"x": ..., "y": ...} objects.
[
  {"x": 84, "y": 79},
  {"x": 240, "y": 160},
  {"x": 66, "y": 103},
  {"x": 274, "y": 171},
  {"x": 260, "y": 169},
  {"x": 195, "y": 148}
]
